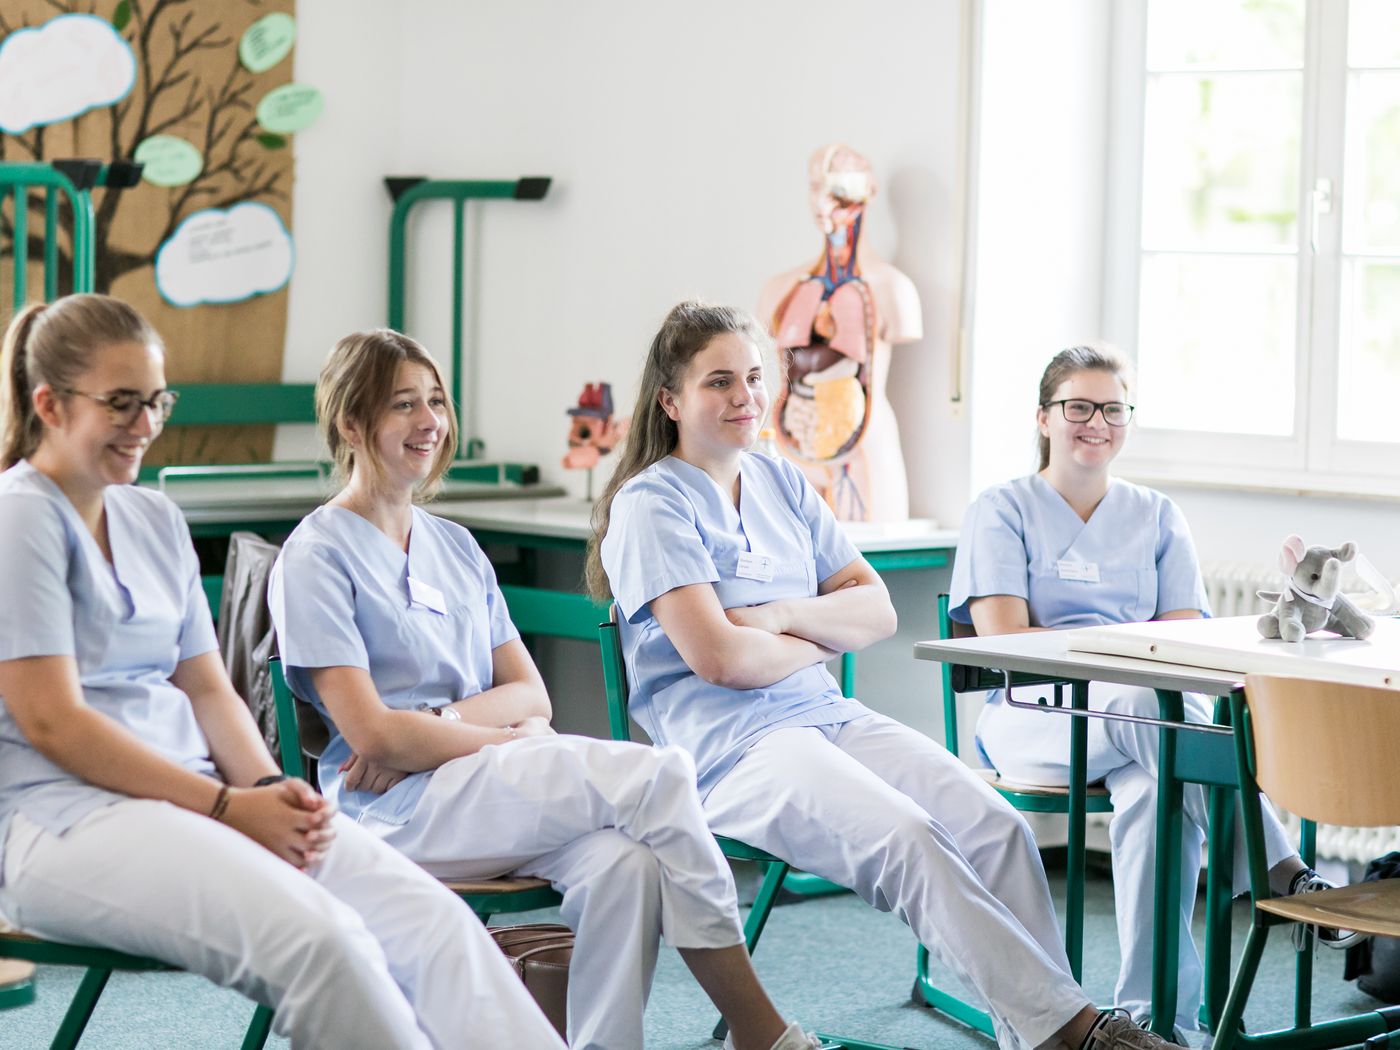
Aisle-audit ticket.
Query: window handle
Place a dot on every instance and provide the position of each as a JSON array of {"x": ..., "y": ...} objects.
[{"x": 1321, "y": 205}]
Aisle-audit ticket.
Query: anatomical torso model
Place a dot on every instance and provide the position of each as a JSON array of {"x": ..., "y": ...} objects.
[{"x": 835, "y": 323}]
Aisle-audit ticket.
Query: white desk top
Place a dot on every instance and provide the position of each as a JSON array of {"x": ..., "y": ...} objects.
[
  {"x": 568, "y": 519},
  {"x": 1213, "y": 668},
  {"x": 1233, "y": 644}
]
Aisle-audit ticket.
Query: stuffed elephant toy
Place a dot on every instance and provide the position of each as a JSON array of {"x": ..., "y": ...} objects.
[{"x": 1311, "y": 599}]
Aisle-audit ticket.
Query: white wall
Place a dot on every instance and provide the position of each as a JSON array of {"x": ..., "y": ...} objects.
[{"x": 678, "y": 140}]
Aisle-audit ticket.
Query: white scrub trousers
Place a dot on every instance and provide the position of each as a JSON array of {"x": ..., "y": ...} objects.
[
  {"x": 617, "y": 828},
  {"x": 884, "y": 810},
  {"x": 365, "y": 950},
  {"x": 1031, "y": 747}
]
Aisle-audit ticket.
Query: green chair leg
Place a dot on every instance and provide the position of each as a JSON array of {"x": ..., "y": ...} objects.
[
  {"x": 1231, "y": 1017},
  {"x": 926, "y": 992},
  {"x": 763, "y": 903},
  {"x": 259, "y": 1028},
  {"x": 80, "y": 1009}
]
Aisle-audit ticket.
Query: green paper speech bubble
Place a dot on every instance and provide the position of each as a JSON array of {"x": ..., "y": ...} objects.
[
  {"x": 267, "y": 41},
  {"x": 168, "y": 160},
  {"x": 290, "y": 107}
]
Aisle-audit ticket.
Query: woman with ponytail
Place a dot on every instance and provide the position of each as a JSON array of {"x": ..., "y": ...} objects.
[
  {"x": 139, "y": 808},
  {"x": 734, "y": 585}
]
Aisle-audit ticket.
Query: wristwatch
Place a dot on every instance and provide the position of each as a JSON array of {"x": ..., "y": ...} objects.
[{"x": 446, "y": 711}]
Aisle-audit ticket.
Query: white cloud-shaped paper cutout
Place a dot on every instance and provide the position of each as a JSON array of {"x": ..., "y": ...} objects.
[
  {"x": 218, "y": 256},
  {"x": 67, "y": 66}
]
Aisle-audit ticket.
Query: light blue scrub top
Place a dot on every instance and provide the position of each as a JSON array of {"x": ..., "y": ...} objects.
[
  {"x": 1022, "y": 539},
  {"x": 672, "y": 525},
  {"x": 128, "y": 624},
  {"x": 340, "y": 597}
]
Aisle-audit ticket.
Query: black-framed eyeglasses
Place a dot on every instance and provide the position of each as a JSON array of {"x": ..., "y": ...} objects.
[
  {"x": 123, "y": 407},
  {"x": 1077, "y": 410}
]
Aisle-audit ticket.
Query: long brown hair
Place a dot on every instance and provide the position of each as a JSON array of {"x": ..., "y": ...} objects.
[
  {"x": 685, "y": 332},
  {"x": 356, "y": 385},
  {"x": 54, "y": 344},
  {"x": 1068, "y": 362}
]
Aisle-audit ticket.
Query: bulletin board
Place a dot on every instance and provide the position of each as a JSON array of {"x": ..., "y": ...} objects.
[{"x": 201, "y": 92}]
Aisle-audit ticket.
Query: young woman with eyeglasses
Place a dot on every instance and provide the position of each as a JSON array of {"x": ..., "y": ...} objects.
[
  {"x": 139, "y": 807},
  {"x": 1072, "y": 546}
]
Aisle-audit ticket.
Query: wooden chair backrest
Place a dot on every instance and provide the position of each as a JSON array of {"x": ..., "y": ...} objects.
[{"x": 1326, "y": 751}]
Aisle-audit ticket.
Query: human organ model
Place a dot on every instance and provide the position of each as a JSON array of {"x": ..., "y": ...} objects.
[{"x": 834, "y": 323}]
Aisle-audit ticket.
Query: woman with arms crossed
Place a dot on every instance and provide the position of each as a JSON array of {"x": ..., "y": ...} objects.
[
  {"x": 735, "y": 584},
  {"x": 1071, "y": 546},
  {"x": 139, "y": 809},
  {"x": 391, "y": 623}
]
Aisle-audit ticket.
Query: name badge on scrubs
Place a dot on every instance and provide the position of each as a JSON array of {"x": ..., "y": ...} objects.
[
  {"x": 1082, "y": 571},
  {"x": 426, "y": 594},
  {"x": 755, "y": 567}
]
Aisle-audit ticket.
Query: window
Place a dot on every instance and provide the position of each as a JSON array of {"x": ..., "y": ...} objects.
[{"x": 1254, "y": 239}]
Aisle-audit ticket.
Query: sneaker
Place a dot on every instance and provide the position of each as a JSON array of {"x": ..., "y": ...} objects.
[
  {"x": 793, "y": 1038},
  {"x": 1309, "y": 881},
  {"x": 1116, "y": 1030}
]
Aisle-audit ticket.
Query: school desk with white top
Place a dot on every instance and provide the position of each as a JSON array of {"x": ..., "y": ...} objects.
[{"x": 1171, "y": 657}]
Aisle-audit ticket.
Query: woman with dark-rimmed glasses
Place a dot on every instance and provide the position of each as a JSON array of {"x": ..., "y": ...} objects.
[{"x": 1073, "y": 546}]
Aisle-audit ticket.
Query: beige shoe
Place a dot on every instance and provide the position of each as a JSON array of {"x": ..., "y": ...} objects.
[
  {"x": 1116, "y": 1030},
  {"x": 793, "y": 1038}
]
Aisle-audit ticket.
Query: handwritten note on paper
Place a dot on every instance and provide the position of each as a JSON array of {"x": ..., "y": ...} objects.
[{"x": 220, "y": 256}]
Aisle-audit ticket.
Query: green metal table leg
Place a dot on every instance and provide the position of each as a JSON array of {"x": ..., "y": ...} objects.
[
  {"x": 1078, "y": 804},
  {"x": 258, "y": 1028},
  {"x": 1166, "y": 949},
  {"x": 1220, "y": 888},
  {"x": 80, "y": 1009}
]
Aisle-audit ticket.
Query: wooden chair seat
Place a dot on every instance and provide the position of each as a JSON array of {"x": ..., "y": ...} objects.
[
  {"x": 14, "y": 971},
  {"x": 505, "y": 884},
  {"x": 1367, "y": 907},
  {"x": 996, "y": 780}
]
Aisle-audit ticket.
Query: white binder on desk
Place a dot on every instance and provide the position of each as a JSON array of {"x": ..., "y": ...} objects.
[{"x": 1233, "y": 644}]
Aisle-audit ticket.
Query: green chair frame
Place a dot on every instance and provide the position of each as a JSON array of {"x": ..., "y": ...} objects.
[
  {"x": 1376, "y": 1028},
  {"x": 958, "y": 679},
  {"x": 775, "y": 870},
  {"x": 100, "y": 963},
  {"x": 301, "y": 736}
]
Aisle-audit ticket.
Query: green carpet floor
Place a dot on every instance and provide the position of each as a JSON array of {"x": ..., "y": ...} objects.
[{"x": 832, "y": 962}]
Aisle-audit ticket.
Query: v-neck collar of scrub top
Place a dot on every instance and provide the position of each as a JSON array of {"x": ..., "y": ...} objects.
[
  {"x": 1075, "y": 526},
  {"x": 736, "y": 514},
  {"x": 409, "y": 561},
  {"x": 118, "y": 539}
]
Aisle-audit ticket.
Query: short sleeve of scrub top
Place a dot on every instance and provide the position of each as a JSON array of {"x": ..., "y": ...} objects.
[
  {"x": 36, "y": 617},
  {"x": 992, "y": 556},
  {"x": 832, "y": 548},
  {"x": 1179, "y": 584},
  {"x": 653, "y": 546},
  {"x": 313, "y": 599}
]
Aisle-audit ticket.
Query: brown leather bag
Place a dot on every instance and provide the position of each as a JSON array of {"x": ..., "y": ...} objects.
[{"x": 540, "y": 953}]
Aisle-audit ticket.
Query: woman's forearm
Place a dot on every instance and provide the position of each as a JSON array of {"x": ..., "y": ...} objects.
[
  {"x": 414, "y": 741},
  {"x": 93, "y": 747},
  {"x": 845, "y": 620},
  {"x": 505, "y": 705},
  {"x": 235, "y": 744},
  {"x": 753, "y": 659}
]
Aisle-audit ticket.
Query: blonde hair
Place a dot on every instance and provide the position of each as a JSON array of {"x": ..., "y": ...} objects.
[
  {"x": 652, "y": 436},
  {"x": 1066, "y": 364},
  {"x": 54, "y": 344},
  {"x": 355, "y": 387}
]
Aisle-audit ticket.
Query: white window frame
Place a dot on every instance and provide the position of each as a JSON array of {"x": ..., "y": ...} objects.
[{"x": 1312, "y": 459}]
